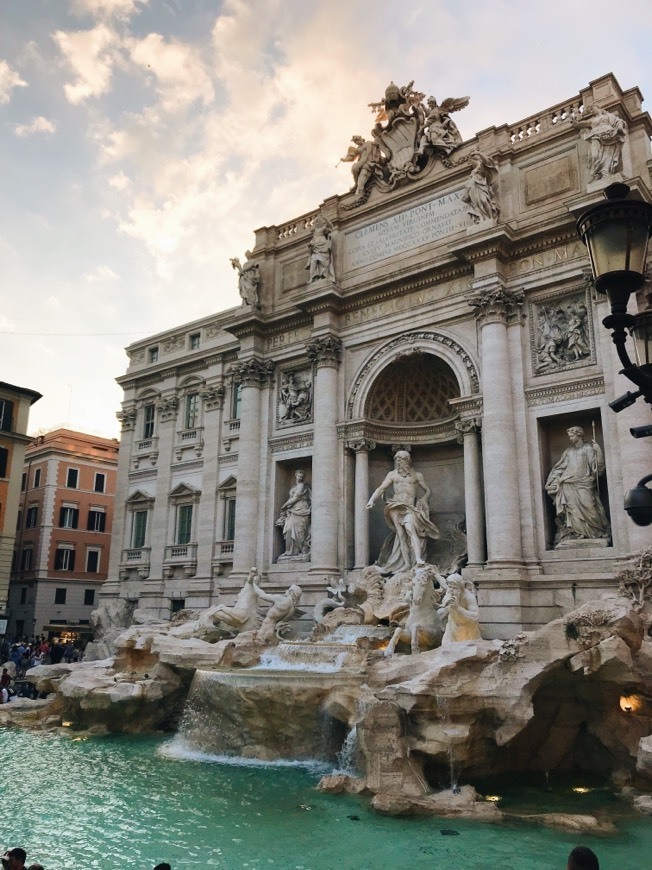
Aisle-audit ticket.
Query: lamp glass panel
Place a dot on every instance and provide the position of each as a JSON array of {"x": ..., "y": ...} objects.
[
  {"x": 642, "y": 332},
  {"x": 618, "y": 246}
]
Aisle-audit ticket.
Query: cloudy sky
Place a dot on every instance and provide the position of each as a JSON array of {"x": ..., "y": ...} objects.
[{"x": 142, "y": 142}]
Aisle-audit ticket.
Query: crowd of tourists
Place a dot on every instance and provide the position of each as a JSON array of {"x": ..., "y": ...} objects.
[
  {"x": 21, "y": 655},
  {"x": 580, "y": 858}
]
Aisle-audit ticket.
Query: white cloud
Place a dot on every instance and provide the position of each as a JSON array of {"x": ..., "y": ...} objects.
[
  {"x": 92, "y": 55},
  {"x": 102, "y": 273},
  {"x": 36, "y": 125},
  {"x": 9, "y": 79},
  {"x": 120, "y": 9},
  {"x": 120, "y": 182},
  {"x": 180, "y": 74}
]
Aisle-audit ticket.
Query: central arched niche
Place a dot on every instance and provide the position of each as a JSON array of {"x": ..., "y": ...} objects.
[{"x": 413, "y": 391}]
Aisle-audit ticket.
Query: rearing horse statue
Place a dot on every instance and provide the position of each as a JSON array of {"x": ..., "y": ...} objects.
[{"x": 423, "y": 627}]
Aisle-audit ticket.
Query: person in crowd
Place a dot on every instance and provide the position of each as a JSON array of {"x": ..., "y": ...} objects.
[
  {"x": 5, "y": 679},
  {"x": 35, "y": 867},
  {"x": 69, "y": 652},
  {"x": 582, "y": 858},
  {"x": 56, "y": 652},
  {"x": 163, "y": 866},
  {"x": 14, "y": 859}
]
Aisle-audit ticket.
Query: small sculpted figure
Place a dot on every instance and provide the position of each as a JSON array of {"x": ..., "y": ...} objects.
[
  {"x": 320, "y": 261},
  {"x": 243, "y": 615},
  {"x": 438, "y": 130},
  {"x": 294, "y": 519},
  {"x": 406, "y": 515},
  {"x": 248, "y": 280},
  {"x": 423, "y": 626},
  {"x": 334, "y": 600},
  {"x": 573, "y": 486},
  {"x": 460, "y": 606},
  {"x": 281, "y": 610},
  {"x": 295, "y": 399},
  {"x": 480, "y": 189},
  {"x": 606, "y": 134},
  {"x": 367, "y": 160}
]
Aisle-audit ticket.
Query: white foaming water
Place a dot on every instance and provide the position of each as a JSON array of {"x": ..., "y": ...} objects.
[
  {"x": 179, "y": 750},
  {"x": 279, "y": 661},
  {"x": 346, "y": 757}
]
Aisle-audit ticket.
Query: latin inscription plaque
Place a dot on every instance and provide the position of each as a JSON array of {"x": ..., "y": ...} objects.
[{"x": 406, "y": 230}]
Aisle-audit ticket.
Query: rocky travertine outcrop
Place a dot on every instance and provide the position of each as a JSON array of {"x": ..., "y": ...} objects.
[{"x": 574, "y": 695}]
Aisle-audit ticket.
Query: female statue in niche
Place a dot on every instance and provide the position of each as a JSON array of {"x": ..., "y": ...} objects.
[
  {"x": 294, "y": 520},
  {"x": 320, "y": 261},
  {"x": 573, "y": 486}
]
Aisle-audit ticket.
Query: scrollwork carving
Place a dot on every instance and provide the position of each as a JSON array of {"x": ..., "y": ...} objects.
[
  {"x": 497, "y": 304},
  {"x": 324, "y": 351},
  {"x": 252, "y": 372}
]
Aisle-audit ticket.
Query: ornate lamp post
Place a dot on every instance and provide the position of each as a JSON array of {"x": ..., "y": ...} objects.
[{"x": 616, "y": 233}]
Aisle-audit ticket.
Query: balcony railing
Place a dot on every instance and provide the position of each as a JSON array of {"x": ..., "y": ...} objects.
[
  {"x": 223, "y": 551},
  {"x": 147, "y": 445},
  {"x": 181, "y": 553},
  {"x": 136, "y": 556}
]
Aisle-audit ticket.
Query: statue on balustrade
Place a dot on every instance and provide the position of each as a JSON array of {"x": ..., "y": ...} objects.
[
  {"x": 573, "y": 485},
  {"x": 294, "y": 520},
  {"x": 407, "y": 515},
  {"x": 606, "y": 134},
  {"x": 320, "y": 261},
  {"x": 480, "y": 189},
  {"x": 248, "y": 280}
]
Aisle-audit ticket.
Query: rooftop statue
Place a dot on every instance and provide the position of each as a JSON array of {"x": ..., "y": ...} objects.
[
  {"x": 606, "y": 133},
  {"x": 407, "y": 515},
  {"x": 407, "y": 133},
  {"x": 248, "y": 280},
  {"x": 320, "y": 261},
  {"x": 480, "y": 189}
]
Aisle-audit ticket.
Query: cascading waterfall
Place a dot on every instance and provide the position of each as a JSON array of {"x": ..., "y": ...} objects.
[
  {"x": 444, "y": 712},
  {"x": 347, "y": 756}
]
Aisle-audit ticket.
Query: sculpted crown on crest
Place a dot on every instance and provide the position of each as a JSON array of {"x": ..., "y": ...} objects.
[{"x": 408, "y": 133}]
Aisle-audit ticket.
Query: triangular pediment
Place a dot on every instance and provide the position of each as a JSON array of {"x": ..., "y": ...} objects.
[
  {"x": 184, "y": 490},
  {"x": 140, "y": 497},
  {"x": 230, "y": 483}
]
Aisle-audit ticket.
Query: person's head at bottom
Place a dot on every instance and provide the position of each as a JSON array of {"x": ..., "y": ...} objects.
[
  {"x": 582, "y": 858},
  {"x": 14, "y": 859},
  {"x": 163, "y": 866}
]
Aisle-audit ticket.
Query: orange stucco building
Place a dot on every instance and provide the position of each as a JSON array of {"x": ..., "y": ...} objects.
[{"x": 64, "y": 531}]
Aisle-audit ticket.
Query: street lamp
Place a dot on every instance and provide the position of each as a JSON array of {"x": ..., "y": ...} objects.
[{"x": 616, "y": 233}]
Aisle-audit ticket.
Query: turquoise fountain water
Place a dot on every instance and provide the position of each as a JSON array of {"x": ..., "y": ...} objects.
[{"x": 111, "y": 803}]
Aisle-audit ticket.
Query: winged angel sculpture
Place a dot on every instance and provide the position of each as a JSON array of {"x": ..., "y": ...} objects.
[{"x": 409, "y": 132}]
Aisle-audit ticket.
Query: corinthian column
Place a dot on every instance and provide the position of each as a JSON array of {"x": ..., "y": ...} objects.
[
  {"x": 361, "y": 448},
  {"x": 469, "y": 430},
  {"x": 494, "y": 308},
  {"x": 253, "y": 375},
  {"x": 325, "y": 355}
]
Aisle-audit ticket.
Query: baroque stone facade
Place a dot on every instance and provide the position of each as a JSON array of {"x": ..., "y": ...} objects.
[{"x": 439, "y": 307}]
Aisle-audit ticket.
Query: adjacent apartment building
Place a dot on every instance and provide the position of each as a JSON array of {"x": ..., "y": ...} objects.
[
  {"x": 61, "y": 553},
  {"x": 15, "y": 403}
]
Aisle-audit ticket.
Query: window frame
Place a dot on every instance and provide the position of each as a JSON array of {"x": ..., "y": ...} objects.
[
  {"x": 60, "y": 594},
  {"x": 31, "y": 516},
  {"x": 71, "y": 470},
  {"x": 149, "y": 420},
  {"x": 191, "y": 410},
  {"x": 71, "y": 513},
  {"x": 153, "y": 354},
  {"x": 103, "y": 476},
  {"x": 184, "y": 524},
  {"x": 95, "y": 551},
  {"x": 194, "y": 341},
  {"x": 37, "y": 478},
  {"x": 65, "y": 555}
]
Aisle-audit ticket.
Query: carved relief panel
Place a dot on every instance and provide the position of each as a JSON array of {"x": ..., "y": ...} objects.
[
  {"x": 294, "y": 397},
  {"x": 561, "y": 332}
]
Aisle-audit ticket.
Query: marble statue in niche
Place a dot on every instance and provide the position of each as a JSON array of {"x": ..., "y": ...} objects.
[
  {"x": 295, "y": 397},
  {"x": 573, "y": 486},
  {"x": 320, "y": 260},
  {"x": 480, "y": 189},
  {"x": 561, "y": 334},
  {"x": 407, "y": 515},
  {"x": 606, "y": 134},
  {"x": 294, "y": 520},
  {"x": 248, "y": 280}
]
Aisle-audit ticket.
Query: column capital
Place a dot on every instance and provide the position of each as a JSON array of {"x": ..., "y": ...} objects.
[
  {"x": 127, "y": 417},
  {"x": 252, "y": 372},
  {"x": 361, "y": 445},
  {"x": 467, "y": 426},
  {"x": 213, "y": 396},
  {"x": 496, "y": 304},
  {"x": 324, "y": 351},
  {"x": 167, "y": 407}
]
